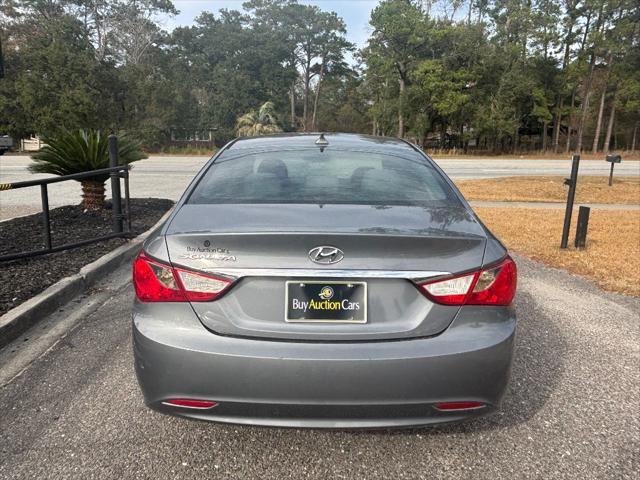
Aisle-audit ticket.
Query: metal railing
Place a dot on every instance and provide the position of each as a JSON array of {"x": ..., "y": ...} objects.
[{"x": 119, "y": 230}]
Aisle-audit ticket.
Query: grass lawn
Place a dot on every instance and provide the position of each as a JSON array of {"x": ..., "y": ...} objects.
[
  {"x": 590, "y": 189},
  {"x": 611, "y": 258}
]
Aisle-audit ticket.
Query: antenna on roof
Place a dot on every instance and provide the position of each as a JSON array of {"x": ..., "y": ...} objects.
[{"x": 322, "y": 142}]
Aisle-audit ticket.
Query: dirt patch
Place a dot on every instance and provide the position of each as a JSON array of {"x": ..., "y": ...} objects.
[
  {"x": 625, "y": 190},
  {"x": 22, "y": 279},
  {"x": 612, "y": 256}
]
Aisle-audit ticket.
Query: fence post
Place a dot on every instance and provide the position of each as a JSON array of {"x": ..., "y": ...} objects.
[
  {"x": 575, "y": 163},
  {"x": 115, "y": 184},
  {"x": 44, "y": 196}
]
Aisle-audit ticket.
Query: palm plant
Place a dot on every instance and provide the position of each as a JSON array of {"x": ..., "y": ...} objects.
[
  {"x": 81, "y": 151},
  {"x": 262, "y": 122}
]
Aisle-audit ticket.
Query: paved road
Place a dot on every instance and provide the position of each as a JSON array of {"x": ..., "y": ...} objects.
[
  {"x": 168, "y": 176},
  {"x": 572, "y": 409}
]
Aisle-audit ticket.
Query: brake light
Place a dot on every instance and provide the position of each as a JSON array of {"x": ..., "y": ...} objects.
[
  {"x": 494, "y": 285},
  {"x": 457, "y": 406},
  {"x": 155, "y": 281},
  {"x": 190, "y": 403}
]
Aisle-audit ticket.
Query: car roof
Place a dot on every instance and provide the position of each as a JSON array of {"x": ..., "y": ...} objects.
[{"x": 342, "y": 141}]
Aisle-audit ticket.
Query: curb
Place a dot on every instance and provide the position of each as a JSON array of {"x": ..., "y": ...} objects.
[{"x": 19, "y": 319}]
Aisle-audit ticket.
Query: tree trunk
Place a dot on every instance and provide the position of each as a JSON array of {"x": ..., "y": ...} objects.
[
  {"x": 556, "y": 126},
  {"x": 585, "y": 103},
  {"x": 596, "y": 136},
  {"x": 305, "y": 106},
  {"x": 293, "y": 104},
  {"x": 570, "y": 127},
  {"x": 565, "y": 62},
  {"x": 607, "y": 138},
  {"x": 1, "y": 60},
  {"x": 633, "y": 137},
  {"x": 400, "y": 112},
  {"x": 92, "y": 194},
  {"x": 315, "y": 100},
  {"x": 544, "y": 135},
  {"x": 587, "y": 89},
  {"x": 307, "y": 82}
]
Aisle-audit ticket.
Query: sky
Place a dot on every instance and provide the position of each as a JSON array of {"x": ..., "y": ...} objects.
[{"x": 355, "y": 13}]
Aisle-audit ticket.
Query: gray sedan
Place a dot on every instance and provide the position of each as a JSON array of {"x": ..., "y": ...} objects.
[{"x": 323, "y": 281}]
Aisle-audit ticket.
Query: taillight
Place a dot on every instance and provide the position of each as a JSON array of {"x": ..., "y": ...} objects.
[
  {"x": 457, "y": 406},
  {"x": 190, "y": 403},
  {"x": 199, "y": 287},
  {"x": 155, "y": 281},
  {"x": 494, "y": 285}
]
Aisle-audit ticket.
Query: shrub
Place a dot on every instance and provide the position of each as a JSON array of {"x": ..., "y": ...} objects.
[{"x": 81, "y": 151}]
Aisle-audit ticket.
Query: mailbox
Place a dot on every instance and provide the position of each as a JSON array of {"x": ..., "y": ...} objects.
[{"x": 612, "y": 159}]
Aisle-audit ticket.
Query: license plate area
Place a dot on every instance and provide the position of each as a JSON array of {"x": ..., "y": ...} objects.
[{"x": 314, "y": 301}]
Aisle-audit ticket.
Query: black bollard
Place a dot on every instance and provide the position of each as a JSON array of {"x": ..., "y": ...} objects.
[{"x": 583, "y": 226}]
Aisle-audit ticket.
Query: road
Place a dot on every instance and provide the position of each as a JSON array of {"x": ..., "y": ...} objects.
[
  {"x": 571, "y": 411},
  {"x": 168, "y": 176}
]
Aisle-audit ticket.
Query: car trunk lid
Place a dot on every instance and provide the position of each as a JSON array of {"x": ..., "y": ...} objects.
[{"x": 385, "y": 248}]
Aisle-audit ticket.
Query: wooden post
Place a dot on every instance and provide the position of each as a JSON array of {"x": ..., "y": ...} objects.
[{"x": 570, "y": 198}]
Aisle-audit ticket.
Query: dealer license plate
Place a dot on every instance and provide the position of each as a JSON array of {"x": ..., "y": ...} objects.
[{"x": 326, "y": 301}]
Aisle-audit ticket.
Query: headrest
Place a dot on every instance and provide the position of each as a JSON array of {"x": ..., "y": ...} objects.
[{"x": 274, "y": 166}]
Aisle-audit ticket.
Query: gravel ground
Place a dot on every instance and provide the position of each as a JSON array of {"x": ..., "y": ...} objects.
[
  {"x": 572, "y": 409},
  {"x": 24, "y": 278}
]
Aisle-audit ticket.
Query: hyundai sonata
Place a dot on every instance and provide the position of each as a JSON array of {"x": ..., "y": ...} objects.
[{"x": 323, "y": 281}]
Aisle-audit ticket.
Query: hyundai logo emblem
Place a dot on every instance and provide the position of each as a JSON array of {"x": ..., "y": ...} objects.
[{"x": 326, "y": 255}]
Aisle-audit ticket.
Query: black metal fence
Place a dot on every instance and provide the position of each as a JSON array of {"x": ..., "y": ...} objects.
[{"x": 121, "y": 216}]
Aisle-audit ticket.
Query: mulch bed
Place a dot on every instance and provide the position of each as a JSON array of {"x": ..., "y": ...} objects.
[{"x": 24, "y": 278}]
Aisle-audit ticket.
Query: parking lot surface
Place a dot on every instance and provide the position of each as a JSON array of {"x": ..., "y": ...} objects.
[{"x": 572, "y": 409}]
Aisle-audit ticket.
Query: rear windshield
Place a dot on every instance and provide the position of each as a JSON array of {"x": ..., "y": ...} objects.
[{"x": 329, "y": 177}]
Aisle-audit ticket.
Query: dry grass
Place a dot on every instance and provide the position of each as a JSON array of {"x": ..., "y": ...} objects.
[
  {"x": 454, "y": 154},
  {"x": 625, "y": 190},
  {"x": 612, "y": 256}
]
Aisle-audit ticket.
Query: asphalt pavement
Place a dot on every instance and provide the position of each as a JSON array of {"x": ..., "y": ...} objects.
[
  {"x": 70, "y": 406},
  {"x": 167, "y": 176}
]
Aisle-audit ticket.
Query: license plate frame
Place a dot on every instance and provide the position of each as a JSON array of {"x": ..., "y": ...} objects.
[{"x": 329, "y": 283}]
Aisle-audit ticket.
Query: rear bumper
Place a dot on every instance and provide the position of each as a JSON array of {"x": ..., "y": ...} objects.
[{"x": 333, "y": 385}]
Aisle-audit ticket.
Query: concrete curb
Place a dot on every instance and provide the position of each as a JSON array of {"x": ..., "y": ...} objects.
[{"x": 18, "y": 319}]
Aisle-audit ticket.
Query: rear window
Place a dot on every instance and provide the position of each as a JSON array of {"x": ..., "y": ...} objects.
[{"x": 329, "y": 177}]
